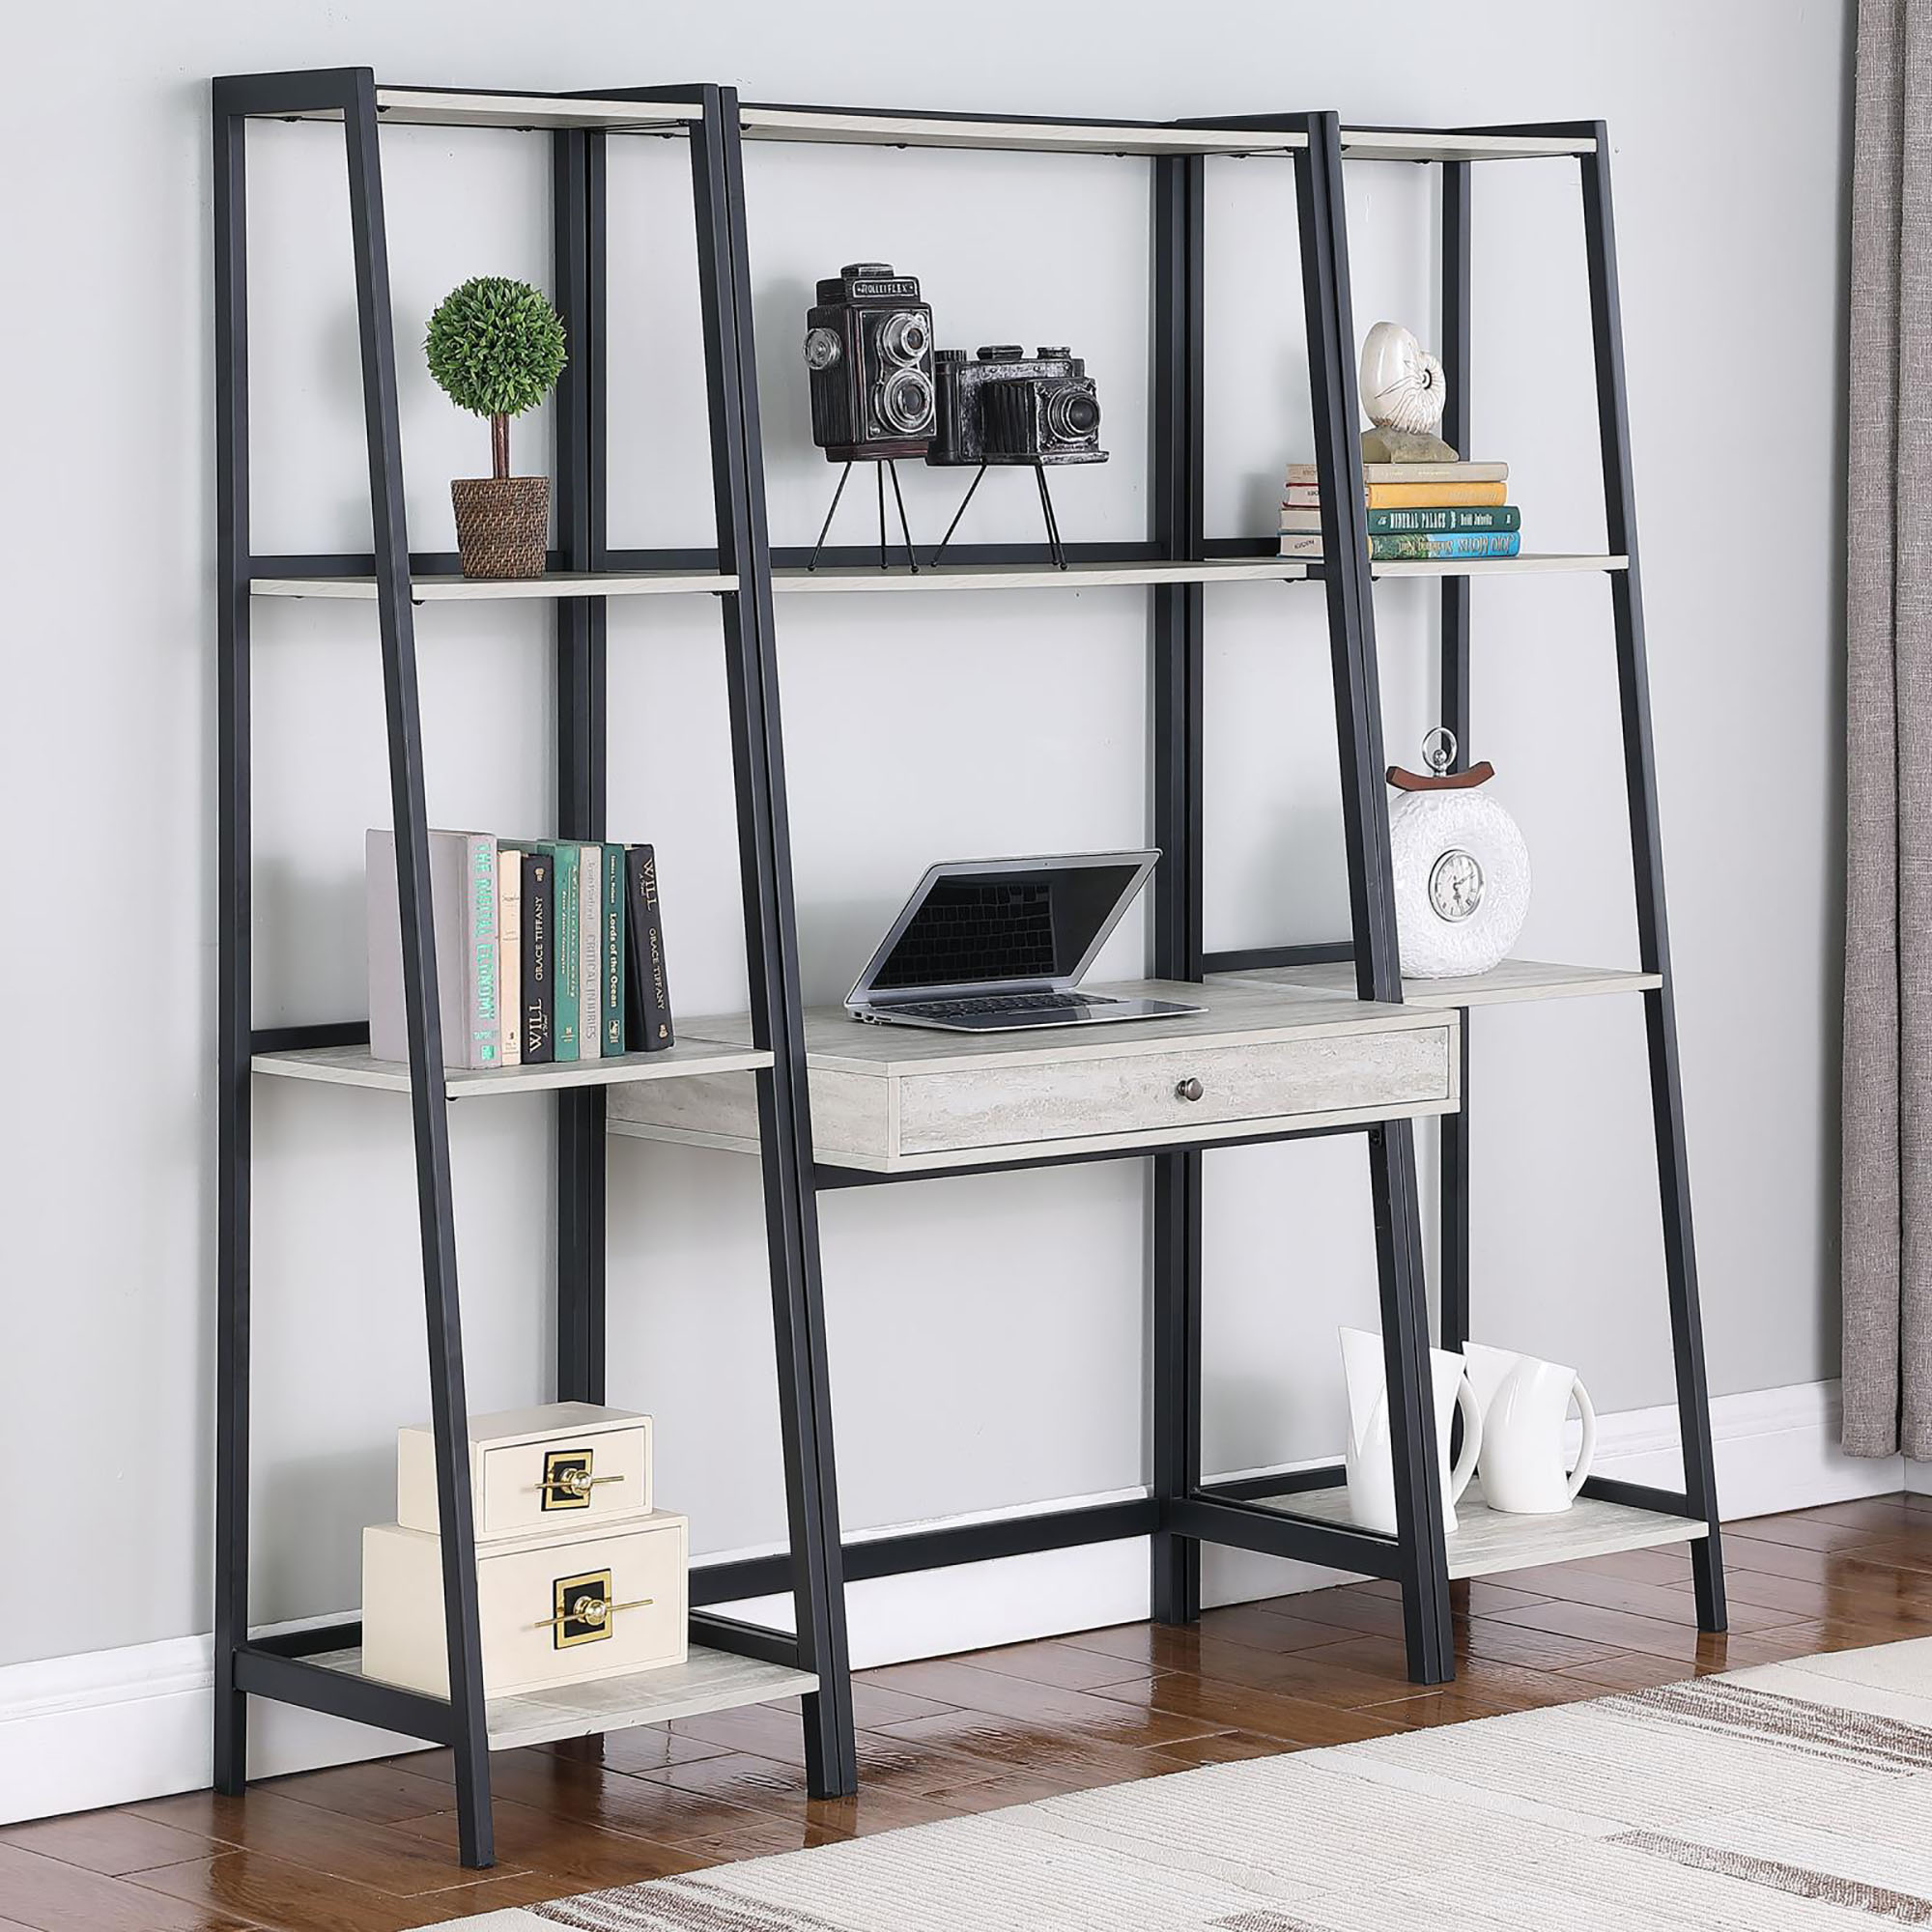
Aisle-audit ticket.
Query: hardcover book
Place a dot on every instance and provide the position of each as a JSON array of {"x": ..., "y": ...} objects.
[
  {"x": 539, "y": 965},
  {"x": 1456, "y": 546},
  {"x": 462, "y": 914},
  {"x": 510, "y": 952},
  {"x": 590, "y": 951},
  {"x": 565, "y": 951},
  {"x": 1405, "y": 496},
  {"x": 1418, "y": 523},
  {"x": 651, "y": 1030},
  {"x": 1412, "y": 472},
  {"x": 611, "y": 982}
]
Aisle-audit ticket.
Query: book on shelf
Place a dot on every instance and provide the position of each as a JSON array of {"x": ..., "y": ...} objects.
[
  {"x": 539, "y": 917},
  {"x": 1418, "y": 523},
  {"x": 649, "y": 1006},
  {"x": 510, "y": 952},
  {"x": 610, "y": 965},
  {"x": 463, "y": 914},
  {"x": 565, "y": 951},
  {"x": 1308, "y": 475},
  {"x": 547, "y": 950},
  {"x": 1405, "y": 496},
  {"x": 1454, "y": 546},
  {"x": 589, "y": 952}
]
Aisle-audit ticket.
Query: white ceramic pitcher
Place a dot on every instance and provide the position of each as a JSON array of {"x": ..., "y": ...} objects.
[
  {"x": 1525, "y": 1404},
  {"x": 1371, "y": 1455}
]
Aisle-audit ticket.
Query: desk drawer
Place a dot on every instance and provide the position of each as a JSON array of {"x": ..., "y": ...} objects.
[{"x": 1136, "y": 1094}]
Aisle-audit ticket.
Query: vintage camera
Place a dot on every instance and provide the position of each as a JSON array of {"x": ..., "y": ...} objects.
[
  {"x": 1003, "y": 406},
  {"x": 868, "y": 345}
]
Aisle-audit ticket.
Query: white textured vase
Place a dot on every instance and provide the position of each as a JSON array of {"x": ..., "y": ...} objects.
[{"x": 1446, "y": 846}]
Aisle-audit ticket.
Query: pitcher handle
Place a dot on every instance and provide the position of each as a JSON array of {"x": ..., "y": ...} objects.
[
  {"x": 1472, "y": 1438},
  {"x": 1587, "y": 1452}
]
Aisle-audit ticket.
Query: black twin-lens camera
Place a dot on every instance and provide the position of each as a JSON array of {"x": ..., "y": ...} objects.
[
  {"x": 1004, "y": 408},
  {"x": 868, "y": 345}
]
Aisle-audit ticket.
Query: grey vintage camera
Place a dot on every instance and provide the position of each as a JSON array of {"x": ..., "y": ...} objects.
[
  {"x": 1004, "y": 408},
  {"x": 868, "y": 345}
]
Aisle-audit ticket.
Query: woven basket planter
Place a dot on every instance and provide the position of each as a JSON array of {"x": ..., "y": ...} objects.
[{"x": 502, "y": 524}]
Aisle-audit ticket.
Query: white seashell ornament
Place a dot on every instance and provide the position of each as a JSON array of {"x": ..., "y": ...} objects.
[{"x": 1402, "y": 384}]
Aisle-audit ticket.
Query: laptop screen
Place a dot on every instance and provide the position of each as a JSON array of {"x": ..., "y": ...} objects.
[{"x": 978, "y": 926}]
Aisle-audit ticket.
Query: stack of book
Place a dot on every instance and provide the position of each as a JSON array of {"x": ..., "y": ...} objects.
[
  {"x": 546, "y": 950},
  {"x": 1451, "y": 511}
]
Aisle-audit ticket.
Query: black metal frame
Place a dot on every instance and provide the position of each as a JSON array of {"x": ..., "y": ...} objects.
[
  {"x": 285, "y": 1668},
  {"x": 1181, "y": 1512}
]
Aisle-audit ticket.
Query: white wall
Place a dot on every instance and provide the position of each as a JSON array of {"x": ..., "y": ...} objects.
[{"x": 989, "y": 1333}]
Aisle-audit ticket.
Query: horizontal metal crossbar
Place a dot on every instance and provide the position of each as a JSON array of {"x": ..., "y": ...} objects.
[
  {"x": 1219, "y": 1519},
  {"x": 904, "y": 1550},
  {"x": 262, "y": 1672}
]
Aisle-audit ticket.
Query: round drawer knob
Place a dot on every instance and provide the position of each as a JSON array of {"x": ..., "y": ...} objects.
[{"x": 1188, "y": 1090}]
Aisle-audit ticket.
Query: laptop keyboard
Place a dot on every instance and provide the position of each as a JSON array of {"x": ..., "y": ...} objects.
[{"x": 1001, "y": 1003}]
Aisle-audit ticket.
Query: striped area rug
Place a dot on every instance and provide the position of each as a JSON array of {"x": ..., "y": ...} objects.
[{"x": 1791, "y": 1795}]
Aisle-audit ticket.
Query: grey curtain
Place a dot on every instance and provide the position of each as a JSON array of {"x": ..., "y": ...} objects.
[{"x": 1888, "y": 1036}]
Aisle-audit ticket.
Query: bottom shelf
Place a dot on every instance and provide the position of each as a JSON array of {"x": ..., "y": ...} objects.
[
  {"x": 708, "y": 1680},
  {"x": 1487, "y": 1541}
]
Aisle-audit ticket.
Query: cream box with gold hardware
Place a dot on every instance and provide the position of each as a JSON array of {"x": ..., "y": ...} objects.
[
  {"x": 564, "y": 1466},
  {"x": 558, "y": 1608}
]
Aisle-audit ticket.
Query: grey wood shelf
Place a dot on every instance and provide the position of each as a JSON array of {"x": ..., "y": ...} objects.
[
  {"x": 454, "y": 107},
  {"x": 1487, "y": 1542},
  {"x": 1513, "y": 980},
  {"x": 708, "y": 1680},
  {"x": 354, "y": 1067},
  {"x": 1042, "y": 576},
  {"x": 1537, "y": 563},
  {"x": 554, "y": 584}
]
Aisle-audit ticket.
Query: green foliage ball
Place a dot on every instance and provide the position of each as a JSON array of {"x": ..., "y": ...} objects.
[{"x": 494, "y": 345}]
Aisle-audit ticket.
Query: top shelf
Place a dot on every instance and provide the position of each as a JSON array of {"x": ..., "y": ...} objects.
[{"x": 449, "y": 107}]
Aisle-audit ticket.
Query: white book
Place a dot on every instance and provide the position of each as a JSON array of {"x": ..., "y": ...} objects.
[
  {"x": 590, "y": 951},
  {"x": 463, "y": 913},
  {"x": 510, "y": 952}
]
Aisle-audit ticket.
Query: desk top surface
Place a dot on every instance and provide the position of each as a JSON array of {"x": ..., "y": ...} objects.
[{"x": 1233, "y": 1016}]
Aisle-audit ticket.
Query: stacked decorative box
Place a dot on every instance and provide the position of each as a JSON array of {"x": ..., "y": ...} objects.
[{"x": 576, "y": 1575}]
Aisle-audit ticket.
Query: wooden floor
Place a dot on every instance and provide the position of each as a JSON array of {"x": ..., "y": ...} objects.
[{"x": 370, "y": 1848}]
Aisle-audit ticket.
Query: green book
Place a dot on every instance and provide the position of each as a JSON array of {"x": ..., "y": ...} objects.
[
  {"x": 612, "y": 978},
  {"x": 565, "y": 951},
  {"x": 1444, "y": 522}
]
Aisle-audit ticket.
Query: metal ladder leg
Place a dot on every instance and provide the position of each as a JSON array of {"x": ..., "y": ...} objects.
[
  {"x": 428, "y": 1104},
  {"x": 1330, "y": 325},
  {"x": 770, "y": 944},
  {"x": 1673, "y": 1172}
]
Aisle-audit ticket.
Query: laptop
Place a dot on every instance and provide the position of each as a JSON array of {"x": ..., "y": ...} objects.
[{"x": 999, "y": 946}]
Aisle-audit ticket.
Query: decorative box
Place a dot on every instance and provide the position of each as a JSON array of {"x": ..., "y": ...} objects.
[
  {"x": 559, "y": 1608},
  {"x": 563, "y": 1465}
]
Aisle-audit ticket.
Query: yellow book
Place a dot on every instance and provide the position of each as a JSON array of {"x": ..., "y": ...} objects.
[{"x": 1433, "y": 496}]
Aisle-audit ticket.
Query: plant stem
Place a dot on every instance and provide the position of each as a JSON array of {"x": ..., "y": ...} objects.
[{"x": 499, "y": 445}]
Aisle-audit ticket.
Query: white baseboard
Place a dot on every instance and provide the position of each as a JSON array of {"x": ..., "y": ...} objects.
[
  {"x": 113, "y": 1727},
  {"x": 1918, "y": 1479}
]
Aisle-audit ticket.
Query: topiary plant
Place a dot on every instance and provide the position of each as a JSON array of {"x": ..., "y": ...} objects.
[{"x": 495, "y": 347}]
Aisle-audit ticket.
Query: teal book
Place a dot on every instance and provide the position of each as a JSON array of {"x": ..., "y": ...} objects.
[
  {"x": 1444, "y": 522},
  {"x": 613, "y": 978},
  {"x": 565, "y": 951},
  {"x": 1457, "y": 547},
  {"x": 1450, "y": 519}
]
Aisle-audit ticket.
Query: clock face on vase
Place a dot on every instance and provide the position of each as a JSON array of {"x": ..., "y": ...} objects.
[{"x": 1456, "y": 885}]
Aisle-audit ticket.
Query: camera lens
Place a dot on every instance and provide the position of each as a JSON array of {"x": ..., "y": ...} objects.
[
  {"x": 904, "y": 336},
  {"x": 1070, "y": 412},
  {"x": 904, "y": 402}
]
